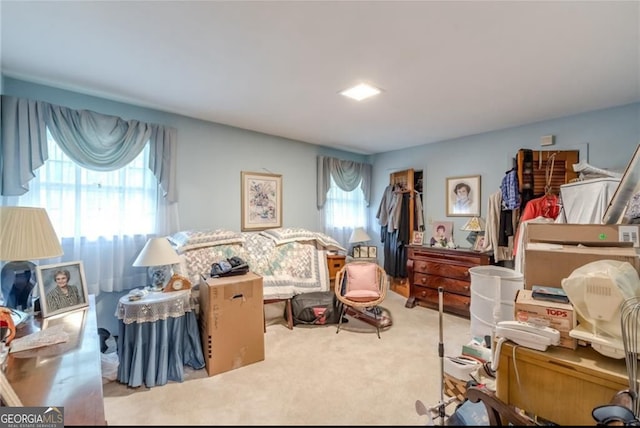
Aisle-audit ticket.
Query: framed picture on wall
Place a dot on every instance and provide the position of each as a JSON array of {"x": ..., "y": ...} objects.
[
  {"x": 261, "y": 202},
  {"x": 463, "y": 196}
]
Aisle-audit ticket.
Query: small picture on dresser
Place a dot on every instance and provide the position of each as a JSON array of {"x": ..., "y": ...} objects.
[
  {"x": 417, "y": 237},
  {"x": 372, "y": 252},
  {"x": 442, "y": 234}
]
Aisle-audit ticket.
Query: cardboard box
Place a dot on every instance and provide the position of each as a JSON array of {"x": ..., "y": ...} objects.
[
  {"x": 232, "y": 322},
  {"x": 553, "y": 251},
  {"x": 560, "y": 316}
]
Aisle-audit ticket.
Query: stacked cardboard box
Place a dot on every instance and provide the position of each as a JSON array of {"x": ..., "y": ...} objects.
[
  {"x": 560, "y": 316},
  {"x": 553, "y": 251},
  {"x": 231, "y": 322}
]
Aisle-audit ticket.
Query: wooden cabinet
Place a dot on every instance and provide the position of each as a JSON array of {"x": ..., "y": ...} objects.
[
  {"x": 409, "y": 182},
  {"x": 335, "y": 262},
  {"x": 560, "y": 385},
  {"x": 67, "y": 374},
  {"x": 429, "y": 268}
]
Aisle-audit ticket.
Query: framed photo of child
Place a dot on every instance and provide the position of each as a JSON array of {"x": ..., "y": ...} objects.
[{"x": 442, "y": 234}]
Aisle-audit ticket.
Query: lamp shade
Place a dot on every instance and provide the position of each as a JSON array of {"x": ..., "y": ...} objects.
[
  {"x": 157, "y": 252},
  {"x": 475, "y": 224},
  {"x": 359, "y": 235},
  {"x": 26, "y": 233}
]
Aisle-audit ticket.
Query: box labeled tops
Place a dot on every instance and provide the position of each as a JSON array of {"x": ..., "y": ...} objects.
[
  {"x": 231, "y": 322},
  {"x": 560, "y": 316},
  {"x": 553, "y": 251}
]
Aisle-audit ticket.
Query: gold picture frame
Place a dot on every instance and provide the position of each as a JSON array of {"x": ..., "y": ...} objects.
[
  {"x": 47, "y": 287},
  {"x": 463, "y": 196},
  {"x": 261, "y": 201}
]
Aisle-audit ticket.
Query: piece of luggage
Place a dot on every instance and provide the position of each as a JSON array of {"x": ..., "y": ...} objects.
[{"x": 315, "y": 308}]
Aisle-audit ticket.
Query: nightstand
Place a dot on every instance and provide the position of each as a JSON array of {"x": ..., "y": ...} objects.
[{"x": 335, "y": 262}]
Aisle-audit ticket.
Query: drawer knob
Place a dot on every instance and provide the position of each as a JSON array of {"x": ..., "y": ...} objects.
[
  {"x": 423, "y": 294},
  {"x": 423, "y": 280}
]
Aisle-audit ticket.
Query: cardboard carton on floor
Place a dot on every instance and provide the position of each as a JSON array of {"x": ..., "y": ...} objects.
[
  {"x": 232, "y": 322},
  {"x": 560, "y": 316},
  {"x": 553, "y": 251}
]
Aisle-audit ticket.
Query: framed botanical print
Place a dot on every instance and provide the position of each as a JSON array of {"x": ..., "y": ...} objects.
[
  {"x": 62, "y": 287},
  {"x": 463, "y": 196},
  {"x": 261, "y": 206}
]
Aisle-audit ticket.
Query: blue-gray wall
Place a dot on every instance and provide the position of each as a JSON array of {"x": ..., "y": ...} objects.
[{"x": 211, "y": 157}]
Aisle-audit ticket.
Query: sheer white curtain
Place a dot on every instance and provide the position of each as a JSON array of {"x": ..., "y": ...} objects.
[
  {"x": 102, "y": 218},
  {"x": 343, "y": 212}
]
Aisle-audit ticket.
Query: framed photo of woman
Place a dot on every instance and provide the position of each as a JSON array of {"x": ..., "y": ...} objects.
[
  {"x": 463, "y": 196},
  {"x": 62, "y": 287}
]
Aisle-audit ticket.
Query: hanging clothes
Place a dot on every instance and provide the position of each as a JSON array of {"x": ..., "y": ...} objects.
[
  {"x": 494, "y": 229},
  {"x": 547, "y": 206}
]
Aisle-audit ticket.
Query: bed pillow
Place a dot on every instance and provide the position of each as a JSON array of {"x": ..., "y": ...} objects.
[
  {"x": 292, "y": 234},
  {"x": 190, "y": 239},
  {"x": 289, "y": 234}
]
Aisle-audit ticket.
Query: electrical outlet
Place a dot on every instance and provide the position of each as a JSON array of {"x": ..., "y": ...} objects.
[{"x": 547, "y": 140}]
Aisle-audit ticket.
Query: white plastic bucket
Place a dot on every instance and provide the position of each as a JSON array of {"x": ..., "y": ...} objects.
[{"x": 493, "y": 293}]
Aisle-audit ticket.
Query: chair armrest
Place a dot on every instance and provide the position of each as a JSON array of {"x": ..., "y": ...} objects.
[{"x": 500, "y": 413}]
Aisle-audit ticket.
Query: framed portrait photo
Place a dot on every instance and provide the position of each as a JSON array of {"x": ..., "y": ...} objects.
[
  {"x": 62, "y": 287},
  {"x": 463, "y": 196},
  {"x": 372, "y": 252},
  {"x": 441, "y": 234},
  {"x": 261, "y": 202},
  {"x": 418, "y": 237},
  {"x": 478, "y": 245}
]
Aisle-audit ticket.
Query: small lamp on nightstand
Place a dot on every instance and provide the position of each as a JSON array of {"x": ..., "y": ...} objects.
[
  {"x": 475, "y": 225},
  {"x": 358, "y": 236},
  {"x": 158, "y": 255}
]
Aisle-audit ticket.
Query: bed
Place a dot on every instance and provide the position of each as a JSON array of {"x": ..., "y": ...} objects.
[{"x": 291, "y": 261}]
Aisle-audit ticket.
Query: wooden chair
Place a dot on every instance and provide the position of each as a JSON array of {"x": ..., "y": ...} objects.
[
  {"x": 361, "y": 285},
  {"x": 500, "y": 413}
]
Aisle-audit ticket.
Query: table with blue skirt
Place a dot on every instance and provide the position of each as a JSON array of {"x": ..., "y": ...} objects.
[{"x": 157, "y": 336}]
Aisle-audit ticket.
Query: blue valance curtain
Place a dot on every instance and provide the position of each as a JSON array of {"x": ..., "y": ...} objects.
[
  {"x": 93, "y": 140},
  {"x": 346, "y": 174}
]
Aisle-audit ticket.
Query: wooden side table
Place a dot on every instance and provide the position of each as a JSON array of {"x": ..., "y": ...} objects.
[{"x": 335, "y": 262}]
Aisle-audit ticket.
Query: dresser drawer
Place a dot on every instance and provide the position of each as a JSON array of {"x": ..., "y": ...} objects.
[
  {"x": 428, "y": 297},
  {"x": 442, "y": 269},
  {"x": 449, "y": 285}
]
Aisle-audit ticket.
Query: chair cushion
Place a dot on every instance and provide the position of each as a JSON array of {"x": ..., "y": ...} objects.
[
  {"x": 362, "y": 295},
  {"x": 362, "y": 277}
]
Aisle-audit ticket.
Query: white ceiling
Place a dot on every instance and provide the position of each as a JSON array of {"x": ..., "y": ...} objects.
[{"x": 447, "y": 69}]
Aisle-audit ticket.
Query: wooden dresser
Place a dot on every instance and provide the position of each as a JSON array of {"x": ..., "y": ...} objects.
[
  {"x": 429, "y": 268},
  {"x": 67, "y": 374}
]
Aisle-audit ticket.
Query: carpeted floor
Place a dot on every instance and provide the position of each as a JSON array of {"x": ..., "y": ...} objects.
[{"x": 310, "y": 376}]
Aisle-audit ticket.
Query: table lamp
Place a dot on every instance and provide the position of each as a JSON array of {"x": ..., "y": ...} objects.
[
  {"x": 358, "y": 236},
  {"x": 475, "y": 225},
  {"x": 26, "y": 233},
  {"x": 158, "y": 255}
]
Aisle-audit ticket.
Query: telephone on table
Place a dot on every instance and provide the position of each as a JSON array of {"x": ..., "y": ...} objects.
[{"x": 528, "y": 334}]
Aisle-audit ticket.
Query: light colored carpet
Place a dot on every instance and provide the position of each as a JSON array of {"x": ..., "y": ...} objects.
[{"x": 310, "y": 376}]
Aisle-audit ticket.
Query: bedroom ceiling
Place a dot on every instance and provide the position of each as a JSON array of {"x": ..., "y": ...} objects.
[{"x": 446, "y": 68}]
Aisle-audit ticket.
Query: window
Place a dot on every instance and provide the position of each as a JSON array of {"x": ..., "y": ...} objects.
[
  {"x": 102, "y": 217},
  {"x": 92, "y": 204},
  {"x": 344, "y": 211}
]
